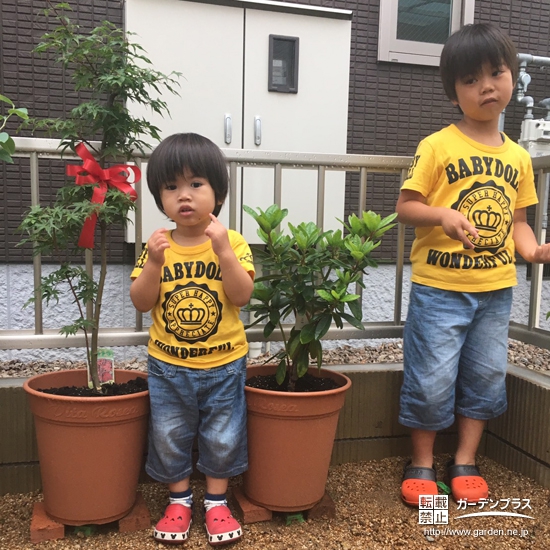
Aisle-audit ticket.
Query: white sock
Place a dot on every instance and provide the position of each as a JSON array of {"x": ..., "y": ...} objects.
[
  {"x": 185, "y": 501},
  {"x": 209, "y": 504}
]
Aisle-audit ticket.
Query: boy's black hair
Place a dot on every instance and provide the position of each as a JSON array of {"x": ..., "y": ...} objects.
[
  {"x": 469, "y": 48},
  {"x": 193, "y": 152}
]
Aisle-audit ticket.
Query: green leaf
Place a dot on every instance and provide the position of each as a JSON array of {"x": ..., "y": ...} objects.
[
  {"x": 268, "y": 329},
  {"x": 293, "y": 343},
  {"x": 323, "y": 326},
  {"x": 352, "y": 321},
  {"x": 21, "y": 113},
  {"x": 5, "y": 99},
  {"x": 274, "y": 317},
  {"x": 275, "y": 214},
  {"x": 307, "y": 333},
  {"x": 349, "y": 298},
  {"x": 355, "y": 224},
  {"x": 5, "y": 156},
  {"x": 281, "y": 372},
  {"x": 302, "y": 361},
  {"x": 337, "y": 294},
  {"x": 356, "y": 309},
  {"x": 325, "y": 295},
  {"x": 316, "y": 352},
  {"x": 251, "y": 212},
  {"x": 319, "y": 357},
  {"x": 7, "y": 144}
]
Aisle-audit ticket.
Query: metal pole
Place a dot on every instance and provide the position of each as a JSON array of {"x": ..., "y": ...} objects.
[
  {"x": 399, "y": 266},
  {"x": 233, "y": 195},
  {"x": 321, "y": 196},
  {"x": 362, "y": 190},
  {"x": 37, "y": 260},
  {"x": 362, "y": 205},
  {"x": 278, "y": 184},
  {"x": 541, "y": 219},
  {"x": 138, "y": 245}
]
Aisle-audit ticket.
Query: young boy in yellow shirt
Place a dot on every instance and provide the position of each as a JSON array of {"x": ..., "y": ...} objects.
[{"x": 466, "y": 194}]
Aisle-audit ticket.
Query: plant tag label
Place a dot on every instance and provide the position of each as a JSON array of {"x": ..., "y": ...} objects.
[{"x": 105, "y": 366}]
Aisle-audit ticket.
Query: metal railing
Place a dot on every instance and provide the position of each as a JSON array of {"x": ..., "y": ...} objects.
[{"x": 364, "y": 165}]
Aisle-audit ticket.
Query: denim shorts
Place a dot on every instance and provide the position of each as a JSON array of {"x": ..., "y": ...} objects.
[
  {"x": 455, "y": 348},
  {"x": 205, "y": 403}
]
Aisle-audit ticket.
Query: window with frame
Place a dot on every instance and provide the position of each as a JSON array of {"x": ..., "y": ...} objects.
[{"x": 414, "y": 31}]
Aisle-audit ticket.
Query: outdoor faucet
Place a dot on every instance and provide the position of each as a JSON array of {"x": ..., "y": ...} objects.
[
  {"x": 524, "y": 79},
  {"x": 545, "y": 104},
  {"x": 528, "y": 101}
]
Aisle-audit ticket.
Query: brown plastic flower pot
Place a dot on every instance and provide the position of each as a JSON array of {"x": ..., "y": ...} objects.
[
  {"x": 290, "y": 441},
  {"x": 90, "y": 448}
]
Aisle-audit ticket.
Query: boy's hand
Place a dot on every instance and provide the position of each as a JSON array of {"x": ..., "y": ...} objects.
[
  {"x": 217, "y": 233},
  {"x": 457, "y": 226},
  {"x": 156, "y": 245},
  {"x": 412, "y": 209},
  {"x": 542, "y": 254}
]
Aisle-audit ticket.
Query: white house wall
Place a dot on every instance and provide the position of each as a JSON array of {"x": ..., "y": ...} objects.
[{"x": 222, "y": 53}]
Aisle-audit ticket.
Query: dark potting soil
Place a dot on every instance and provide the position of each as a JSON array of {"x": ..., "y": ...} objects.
[
  {"x": 307, "y": 383},
  {"x": 135, "y": 385}
]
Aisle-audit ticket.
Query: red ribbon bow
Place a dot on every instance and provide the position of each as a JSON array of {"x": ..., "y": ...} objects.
[{"x": 91, "y": 172}]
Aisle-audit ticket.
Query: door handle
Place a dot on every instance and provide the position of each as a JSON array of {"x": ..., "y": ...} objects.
[
  {"x": 227, "y": 129},
  {"x": 257, "y": 130}
]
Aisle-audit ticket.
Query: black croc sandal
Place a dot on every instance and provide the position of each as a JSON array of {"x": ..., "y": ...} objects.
[
  {"x": 466, "y": 482},
  {"x": 417, "y": 481}
]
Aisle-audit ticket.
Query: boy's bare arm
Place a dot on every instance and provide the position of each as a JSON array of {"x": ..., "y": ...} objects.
[
  {"x": 144, "y": 291},
  {"x": 413, "y": 210},
  {"x": 238, "y": 284},
  {"x": 526, "y": 242}
]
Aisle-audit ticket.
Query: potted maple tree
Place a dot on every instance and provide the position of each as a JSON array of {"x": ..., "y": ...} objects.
[
  {"x": 309, "y": 277},
  {"x": 86, "y": 480}
]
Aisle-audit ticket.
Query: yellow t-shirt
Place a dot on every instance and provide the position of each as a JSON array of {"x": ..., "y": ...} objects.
[
  {"x": 194, "y": 323},
  {"x": 487, "y": 184}
]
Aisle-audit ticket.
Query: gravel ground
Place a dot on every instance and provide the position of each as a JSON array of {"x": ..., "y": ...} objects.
[
  {"x": 369, "y": 516},
  {"x": 369, "y": 512},
  {"x": 519, "y": 354}
]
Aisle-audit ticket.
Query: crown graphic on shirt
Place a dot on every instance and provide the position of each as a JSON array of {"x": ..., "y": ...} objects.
[
  {"x": 191, "y": 315},
  {"x": 486, "y": 219}
]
